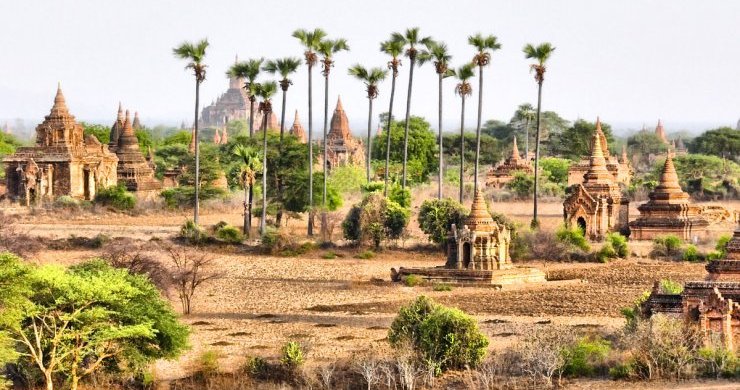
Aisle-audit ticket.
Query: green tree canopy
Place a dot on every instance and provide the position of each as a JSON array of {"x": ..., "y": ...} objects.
[
  {"x": 101, "y": 132},
  {"x": 575, "y": 141},
  {"x": 422, "y": 146},
  {"x": 722, "y": 142},
  {"x": 491, "y": 150}
]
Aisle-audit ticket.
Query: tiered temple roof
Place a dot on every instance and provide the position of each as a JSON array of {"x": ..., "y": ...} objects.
[
  {"x": 231, "y": 105},
  {"x": 621, "y": 170},
  {"x": 297, "y": 129},
  {"x": 116, "y": 129},
  {"x": 342, "y": 147},
  {"x": 133, "y": 171},
  {"x": 503, "y": 172},
  {"x": 669, "y": 210},
  {"x": 660, "y": 132}
]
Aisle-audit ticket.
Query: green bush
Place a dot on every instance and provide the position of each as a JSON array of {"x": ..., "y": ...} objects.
[
  {"x": 445, "y": 338},
  {"x": 669, "y": 245},
  {"x": 230, "y": 234},
  {"x": 442, "y": 287},
  {"x": 116, "y": 197},
  {"x": 192, "y": 232},
  {"x": 669, "y": 286},
  {"x": 413, "y": 281},
  {"x": 400, "y": 195},
  {"x": 396, "y": 219},
  {"x": 691, "y": 253},
  {"x": 373, "y": 186},
  {"x": 255, "y": 367},
  {"x": 585, "y": 356},
  {"x": 208, "y": 364},
  {"x": 184, "y": 196},
  {"x": 366, "y": 255},
  {"x": 721, "y": 246},
  {"x": 572, "y": 236},
  {"x": 292, "y": 355},
  {"x": 436, "y": 217},
  {"x": 623, "y": 371},
  {"x": 329, "y": 256},
  {"x": 375, "y": 219},
  {"x": 633, "y": 314},
  {"x": 606, "y": 253},
  {"x": 351, "y": 225},
  {"x": 619, "y": 243}
]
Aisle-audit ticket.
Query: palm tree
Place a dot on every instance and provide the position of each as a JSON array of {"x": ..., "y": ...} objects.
[
  {"x": 284, "y": 66},
  {"x": 251, "y": 164},
  {"x": 195, "y": 53},
  {"x": 525, "y": 113},
  {"x": 265, "y": 92},
  {"x": 371, "y": 78},
  {"x": 484, "y": 47},
  {"x": 394, "y": 49},
  {"x": 541, "y": 54},
  {"x": 310, "y": 41},
  {"x": 463, "y": 89},
  {"x": 249, "y": 70},
  {"x": 410, "y": 38},
  {"x": 437, "y": 52},
  {"x": 327, "y": 49}
]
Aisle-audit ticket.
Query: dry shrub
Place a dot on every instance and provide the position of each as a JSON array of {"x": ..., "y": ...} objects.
[
  {"x": 15, "y": 241},
  {"x": 137, "y": 260},
  {"x": 191, "y": 268},
  {"x": 541, "y": 245}
]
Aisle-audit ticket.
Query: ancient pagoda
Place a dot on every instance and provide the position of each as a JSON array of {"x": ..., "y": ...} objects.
[
  {"x": 477, "y": 253},
  {"x": 63, "y": 161},
  {"x": 342, "y": 148},
  {"x": 660, "y": 132},
  {"x": 503, "y": 173},
  {"x": 712, "y": 304},
  {"x": 669, "y": 210},
  {"x": 597, "y": 205},
  {"x": 297, "y": 129},
  {"x": 621, "y": 170},
  {"x": 116, "y": 129},
  {"x": 134, "y": 171},
  {"x": 231, "y": 105}
]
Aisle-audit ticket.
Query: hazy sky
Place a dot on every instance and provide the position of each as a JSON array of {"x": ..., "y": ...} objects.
[{"x": 631, "y": 62}]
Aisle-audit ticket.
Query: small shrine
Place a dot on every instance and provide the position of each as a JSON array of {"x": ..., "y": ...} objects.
[
  {"x": 477, "y": 253},
  {"x": 341, "y": 147},
  {"x": 134, "y": 171},
  {"x": 503, "y": 173},
  {"x": 621, "y": 169},
  {"x": 712, "y": 304},
  {"x": 669, "y": 210},
  {"x": 63, "y": 162},
  {"x": 596, "y": 205}
]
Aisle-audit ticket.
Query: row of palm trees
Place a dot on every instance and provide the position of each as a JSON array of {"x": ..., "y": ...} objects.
[{"x": 411, "y": 44}]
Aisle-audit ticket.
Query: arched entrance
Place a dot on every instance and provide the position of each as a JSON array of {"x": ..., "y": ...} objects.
[
  {"x": 467, "y": 254},
  {"x": 581, "y": 225}
]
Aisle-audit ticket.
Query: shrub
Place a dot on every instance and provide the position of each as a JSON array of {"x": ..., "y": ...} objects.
[
  {"x": 691, "y": 253},
  {"x": 116, "y": 197},
  {"x": 669, "y": 245},
  {"x": 192, "y": 232},
  {"x": 572, "y": 236},
  {"x": 624, "y": 370},
  {"x": 396, "y": 219},
  {"x": 373, "y": 186},
  {"x": 413, "y": 281},
  {"x": 329, "y": 256},
  {"x": 351, "y": 224},
  {"x": 400, "y": 195},
  {"x": 633, "y": 314},
  {"x": 444, "y": 337},
  {"x": 255, "y": 367},
  {"x": 606, "y": 252},
  {"x": 207, "y": 365},
  {"x": 292, "y": 355},
  {"x": 436, "y": 217},
  {"x": 276, "y": 242},
  {"x": 721, "y": 246},
  {"x": 442, "y": 287},
  {"x": 717, "y": 361},
  {"x": 230, "y": 234},
  {"x": 619, "y": 243},
  {"x": 668, "y": 286},
  {"x": 366, "y": 255},
  {"x": 67, "y": 202},
  {"x": 375, "y": 219},
  {"x": 584, "y": 356}
]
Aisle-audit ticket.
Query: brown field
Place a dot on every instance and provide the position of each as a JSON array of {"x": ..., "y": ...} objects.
[{"x": 343, "y": 306}]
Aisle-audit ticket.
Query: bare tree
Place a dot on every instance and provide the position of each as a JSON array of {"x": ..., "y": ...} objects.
[
  {"x": 191, "y": 270},
  {"x": 369, "y": 369},
  {"x": 138, "y": 261},
  {"x": 326, "y": 374},
  {"x": 386, "y": 368},
  {"x": 409, "y": 372}
]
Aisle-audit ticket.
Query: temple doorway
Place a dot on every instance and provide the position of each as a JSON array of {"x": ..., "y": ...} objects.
[
  {"x": 467, "y": 249},
  {"x": 581, "y": 225},
  {"x": 86, "y": 183}
]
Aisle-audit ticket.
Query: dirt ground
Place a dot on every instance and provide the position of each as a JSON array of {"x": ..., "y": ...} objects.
[{"x": 342, "y": 307}]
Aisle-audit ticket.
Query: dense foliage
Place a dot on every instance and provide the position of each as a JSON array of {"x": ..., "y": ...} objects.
[
  {"x": 436, "y": 217},
  {"x": 422, "y": 148},
  {"x": 375, "y": 220}
]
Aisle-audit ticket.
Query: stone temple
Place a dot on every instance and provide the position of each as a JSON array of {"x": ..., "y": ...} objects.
[
  {"x": 503, "y": 173},
  {"x": 596, "y": 205},
  {"x": 669, "y": 210},
  {"x": 477, "y": 253},
  {"x": 134, "y": 171},
  {"x": 342, "y": 147},
  {"x": 619, "y": 168},
  {"x": 712, "y": 304},
  {"x": 63, "y": 161}
]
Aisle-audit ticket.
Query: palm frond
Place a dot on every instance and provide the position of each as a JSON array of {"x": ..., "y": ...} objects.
[
  {"x": 266, "y": 90},
  {"x": 465, "y": 72},
  {"x": 392, "y": 47},
  {"x": 359, "y": 72}
]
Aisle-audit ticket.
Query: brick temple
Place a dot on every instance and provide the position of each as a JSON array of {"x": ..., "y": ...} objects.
[
  {"x": 297, "y": 129},
  {"x": 713, "y": 304},
  {"x": 597, "y": 205},
  {"x": 669, "y": 210},
  {"x": 63, "y": 161},
  {"x": 133, "y": 170},
  {"x": 503, "y": 173},
  {"x": 477, "y": 254},
  {"x": 342, "y": 148},
  {"x": 619, "y": 168}
]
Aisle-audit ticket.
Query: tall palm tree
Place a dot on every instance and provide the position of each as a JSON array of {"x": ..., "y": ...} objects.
[
  {"x": 251, "y": 164},
  {"x": 284, "y": 66},
  {"x": 484, "y": 47},
  {"x": 327, "y": 49},
  {"x": 541, "y": 54},
  {"x": 310, "y": 41},
  {"x": 394, "y": 49},
  {"x": 248, "y": 71},
  {"x": 437, "y": 52},
  {"x": 410, "y": 40},
  {"x": 195, "y": 53},
  {"x": 524, "y": 115},
  {"x": 265, "y": 91},
  {"x": 463, "y": 89},
  {"x": 371, "y": 78}
]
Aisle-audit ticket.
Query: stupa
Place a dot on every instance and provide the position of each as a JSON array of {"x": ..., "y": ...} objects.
[
  {"x": 297, "y": 129},
  {"x": 63, "y": 162},
  {"x": 711, "y": 304},
  {"x": 134, "y": 171},
  {"x": 477, "y": 253},
  {"x": 620, "y": 169},
  {"x": 342, "y": 148},
  {"x": 660, "y": 132},
  {"x": 596, "y": 206},
  {"x": 669, "y": 210},
  {"x": 503, "y": 173},
  {"x": 116, "y": 130}
]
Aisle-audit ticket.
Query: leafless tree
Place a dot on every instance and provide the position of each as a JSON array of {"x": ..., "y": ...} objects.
[
  {"x": 386, "y": 368},
  {"x": 191, "y": 270},
  {"x": 137, "y": 260},
  {"x": 326, "y": 374},
  {"x": 369, "y": 369},
  {"x": 408, "y": 372}
]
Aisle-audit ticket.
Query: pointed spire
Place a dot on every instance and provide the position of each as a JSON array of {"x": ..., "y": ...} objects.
[
  {"x": 60, "y": 103},
  {"x": 479, "y": 218},
  {"x": 136, "y": 124},
  {"x": 597, "y": 172},
  {"x": 660, "y": 131},
  {"x": 515, "y": 151},
  {"x": 216, "y": 138},
  {"x": 297, "y": 129},
  {"x": 339, "y": 104},
  {"x": 120, "y": 112},
  {"x": 625, "y": 160},
  {"x": 669, "y": 176},
  {"x": 224, "y": 137}
]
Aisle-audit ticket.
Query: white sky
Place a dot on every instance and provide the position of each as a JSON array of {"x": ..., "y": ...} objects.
[{"x": 631, "y": 62}]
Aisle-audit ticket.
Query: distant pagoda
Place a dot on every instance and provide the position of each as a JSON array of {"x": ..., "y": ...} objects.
[
  {"x": 503, "y": 173},
  {"x": 620, "y": 169},
  {"x": 297, "y": 129},
  {"x": 134, "y": 171}
]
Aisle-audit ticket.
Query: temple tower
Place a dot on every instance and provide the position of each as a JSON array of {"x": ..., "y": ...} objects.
[
  {"x": 133, "y": 170},
  {"x": 297, "y": 129},
  {"x": 503, "y": 173},
  {"x": 342, "y": 147}
]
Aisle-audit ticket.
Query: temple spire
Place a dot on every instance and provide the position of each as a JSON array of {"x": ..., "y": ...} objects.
[
  {"x": 60, "y": 103},
  {"x": 216, "y": 138},
  {"x": 224, "y": 137},
  {"x": 120, "y": 112},
  {"x": 515, "y": 151},
  {"x": 479, "y": 218},
  {"x": 669, "y": 176},
  {"x": 625, "y": 160}
]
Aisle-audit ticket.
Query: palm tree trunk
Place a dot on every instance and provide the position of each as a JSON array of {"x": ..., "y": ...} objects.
[
  {"x": 388, "y": 135},
  {"x": 196, "y": 208},
  {"x": 251, "y": 188},
  {"x": 264, "y": 172},
  {"x": 526, "y": 132},
  {"x": 406, "y": 129},
  {"x": 462, "y": 149},
  {"x": 310, "y": 151},
  {"x": 282, "y": 119},
  {"x": 369, "y": 135},
  {"x": 245, "y": 229},
  {"x": 535, "y": 221},
  {"x": 326, "y": 125},
  {"x": 441, "y": 156},
  {"x": 279, "y": 215},
  {"x": 477, "y": 129}
]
